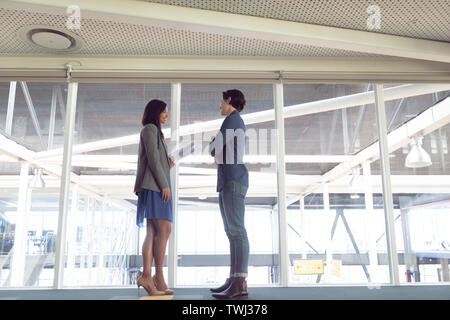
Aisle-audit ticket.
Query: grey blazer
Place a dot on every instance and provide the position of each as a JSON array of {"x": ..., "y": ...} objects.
[{"x": 153, "y": 170}]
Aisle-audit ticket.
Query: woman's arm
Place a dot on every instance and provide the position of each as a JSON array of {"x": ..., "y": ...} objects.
[{"x": 150, "y": 138}]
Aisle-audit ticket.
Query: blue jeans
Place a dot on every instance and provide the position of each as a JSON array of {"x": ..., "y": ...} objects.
[{"x": 232, "y": 209}]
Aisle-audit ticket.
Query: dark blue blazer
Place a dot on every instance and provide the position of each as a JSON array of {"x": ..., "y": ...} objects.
[{"x": 234, "y": 169}]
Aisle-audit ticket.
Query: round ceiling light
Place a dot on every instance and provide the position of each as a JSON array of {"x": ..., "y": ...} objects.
[{"x": 51, "y": 39}]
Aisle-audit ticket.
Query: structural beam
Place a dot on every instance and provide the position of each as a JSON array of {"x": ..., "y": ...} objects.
[
  {"x": 358, "y": 99},
  {"x": 16, "y": 152},
  {"x": 30, "y": 105},
  {"x": 431, "y": 119},
  {"x": 362, "y": 109},
  {"x": 128, "y": 162},
  {"x": 208, "y": 69},
  {"x": 213, "y": 22},
  {"x": 51, "y": 126},
  {"x": 10, "y": 112}
]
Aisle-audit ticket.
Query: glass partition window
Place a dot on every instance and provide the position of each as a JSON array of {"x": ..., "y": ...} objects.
[
  {"x": 31, "y": 118},
  {"x": 101, "y": 239},
  {"x": 108, "y": 242},
  {"x": 203, "y": 248},
  {"x": 335, "y": 214},
  {"x": 420, "y": 168},
  {"x": 334, "y": 228}
]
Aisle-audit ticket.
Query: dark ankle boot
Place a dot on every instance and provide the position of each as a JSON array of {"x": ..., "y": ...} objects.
[
  {"x": 224, "y": 287},
  {"x": 237, "y": 289}
]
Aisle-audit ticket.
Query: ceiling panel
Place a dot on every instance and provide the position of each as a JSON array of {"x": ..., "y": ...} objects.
[
  {"x": 117, "y": 38},
  {"x": 410, "y": 18}
]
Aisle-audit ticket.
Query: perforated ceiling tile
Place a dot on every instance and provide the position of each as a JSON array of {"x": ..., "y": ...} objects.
[
  {"x": 425, "y": 19},
  {"x": 107, "y": 37}
]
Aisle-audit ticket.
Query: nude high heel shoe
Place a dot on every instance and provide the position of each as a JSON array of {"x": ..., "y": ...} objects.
[
  {"x": 141, "y": 283},
  {"x": 166, "y": 291}
]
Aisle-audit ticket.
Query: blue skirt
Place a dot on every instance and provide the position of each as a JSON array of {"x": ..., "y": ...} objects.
[{"x": 151, "y": 206}]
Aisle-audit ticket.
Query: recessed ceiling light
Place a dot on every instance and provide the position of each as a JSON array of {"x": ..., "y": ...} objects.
[{"x": 51, "y": 38}]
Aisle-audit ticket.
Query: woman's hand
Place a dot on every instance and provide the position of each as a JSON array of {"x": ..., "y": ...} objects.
[
  {"x": 171, "y": 163},
  {"x": 165, "y": 194}
]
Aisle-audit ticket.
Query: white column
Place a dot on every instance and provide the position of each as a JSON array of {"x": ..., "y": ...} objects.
[
  {"x": 84, "y": 238},
  {"x": 71, "y": 235},
  {"x": 281, "y": 185},
  {"x": 65, "y": 185},
  {"x": 91, "y": 242},
  {"x": 175, "y": 138},
  {"x": 101, "y": 255},
  {"x": 328, "y": 217},
  {"x": 369, "y": 218},
  {"x": 386, "y": 180},
  {"x": 18, "y": 256},
  {"x": 302, "y": 226},
  {"x": 10, "y": 112}
]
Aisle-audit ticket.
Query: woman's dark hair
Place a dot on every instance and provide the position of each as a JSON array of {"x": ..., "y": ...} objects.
[
  {"x": 237, "y": 98},
  {"x": 152, "y": 111}
]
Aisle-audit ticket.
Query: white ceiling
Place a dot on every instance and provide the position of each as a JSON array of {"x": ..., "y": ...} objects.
[
  {"x": 423, "y": 19},
  {"x": 117, "y": 38}
]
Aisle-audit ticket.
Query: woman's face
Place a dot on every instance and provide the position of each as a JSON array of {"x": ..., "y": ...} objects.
[{"x": 164, "y": 116}]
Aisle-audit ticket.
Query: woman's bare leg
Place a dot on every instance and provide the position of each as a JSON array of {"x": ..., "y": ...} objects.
[
  {"x": 147, "y": 252},
  {"x": 163, "y": 229}
]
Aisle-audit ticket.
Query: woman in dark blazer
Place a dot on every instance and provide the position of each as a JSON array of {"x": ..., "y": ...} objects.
[{"x": 153, "y": 187}]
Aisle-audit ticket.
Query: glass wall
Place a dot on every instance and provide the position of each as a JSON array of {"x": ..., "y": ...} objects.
[
  {"x": 203, "y": 247},
  {"x": 108, "y": 243},
  {"x": 29, "y": 193},
  {"x": 420, "y": 173},
  {"x": 335, "y": 218},
  {"x": 335, "y": 213},
  {"x": 101, "y": 239}
]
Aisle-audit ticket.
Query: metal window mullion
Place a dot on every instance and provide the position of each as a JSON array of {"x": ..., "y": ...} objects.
[
  {"x": 174, "y": 137},
  {"x": 65, "y": 185},
  {"x": 328, "y": 217},
  {"x": 302, "y": 226},
  {"x": 91, "y": 228},
  {"x": 386, "y": 182},
  {"x": 369, "y": 219},
  {"x": 84, "y": 241},
  {"x": 101, "y": 256},
  {"x": 281, "y": 185},
  {"x": 71, "y": 234}
]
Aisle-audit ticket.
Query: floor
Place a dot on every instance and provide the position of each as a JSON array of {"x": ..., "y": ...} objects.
[{"x": 403, "y": 292}]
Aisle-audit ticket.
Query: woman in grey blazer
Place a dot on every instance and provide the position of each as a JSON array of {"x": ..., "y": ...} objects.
[{"x": 153, "y": 187}]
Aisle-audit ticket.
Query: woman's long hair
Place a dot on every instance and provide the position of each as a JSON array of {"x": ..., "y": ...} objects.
[{"x": 152, "y": 111}]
